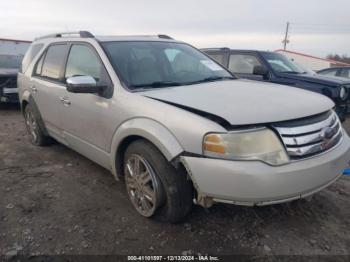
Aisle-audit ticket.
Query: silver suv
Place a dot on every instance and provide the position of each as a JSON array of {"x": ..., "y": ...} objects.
[{"x": 177, "y": 126}]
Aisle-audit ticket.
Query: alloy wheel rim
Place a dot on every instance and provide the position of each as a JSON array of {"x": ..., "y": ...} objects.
[
  {"x": 142, "y": 185},
  {"x": 32, "y": 126}
]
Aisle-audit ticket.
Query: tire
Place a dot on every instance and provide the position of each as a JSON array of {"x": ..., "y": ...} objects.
[
  {"x": 341, "y": 112},
  {"x": 172, "y": 189},
  {"x": 35, "y": 128}
]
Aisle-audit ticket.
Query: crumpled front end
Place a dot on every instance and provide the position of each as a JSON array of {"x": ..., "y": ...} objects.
[{"x": 318, "y": 149}]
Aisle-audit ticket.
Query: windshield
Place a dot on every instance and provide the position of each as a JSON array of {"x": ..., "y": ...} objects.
[
  {"x": 151, "y": 64},
  {"x": 282, "y": 64},
  {"x": 10, "y": 61}
]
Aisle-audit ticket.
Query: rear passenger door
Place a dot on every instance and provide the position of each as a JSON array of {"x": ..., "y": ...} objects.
[
  {"x": 242, "y": 65},
  {"x": 47, "y": 87}
]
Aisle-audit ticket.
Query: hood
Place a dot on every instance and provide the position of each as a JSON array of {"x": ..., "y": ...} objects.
[
  {"x": 8, "y": 71},
  {"x": 319, "y": 79},
  {"x": 245, "y": 102}
]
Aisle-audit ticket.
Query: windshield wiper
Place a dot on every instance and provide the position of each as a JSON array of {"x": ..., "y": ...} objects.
[
  {"x": 211, "y": 79},
  {"x": 156, "y": 84}
]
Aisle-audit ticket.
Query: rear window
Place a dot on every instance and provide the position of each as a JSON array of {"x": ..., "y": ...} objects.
[{"x": 33, "y": 50}]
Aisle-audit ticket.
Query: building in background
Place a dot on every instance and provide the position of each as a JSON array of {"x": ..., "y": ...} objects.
[{"x": 311, "y": 62}]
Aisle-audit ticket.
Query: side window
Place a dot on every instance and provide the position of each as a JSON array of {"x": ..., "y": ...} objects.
[
  {"x": 82, "y": 60},
  {"x": 29, "y": 56},
  {"x": 345, "y": 72},
  {"x": 243, "y": 64},
  {"x": 218, "y": 58},
  {"x": 331, "y": 72},
  {"x": 53, "y": 61},
  {"x": 39, "y": 65}
]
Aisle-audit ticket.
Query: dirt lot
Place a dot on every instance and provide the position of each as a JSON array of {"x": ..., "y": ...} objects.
[{"x": 54, "y": 201}]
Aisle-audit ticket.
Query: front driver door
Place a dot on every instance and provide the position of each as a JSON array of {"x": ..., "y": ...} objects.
[{"x": 87, "y": 121}]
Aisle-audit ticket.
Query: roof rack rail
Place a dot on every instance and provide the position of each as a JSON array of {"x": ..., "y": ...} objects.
[
  {"x": 165, "y": 37},
  {"x": 83, "y": 34}
]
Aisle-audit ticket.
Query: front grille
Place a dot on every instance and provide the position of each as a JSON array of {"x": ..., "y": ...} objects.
[
  {"x": 8, "y": 82},
  {"x": 310, "y": 136}
]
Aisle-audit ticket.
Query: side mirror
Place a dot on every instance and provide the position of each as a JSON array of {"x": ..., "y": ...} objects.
[
  {"x": 260, "y": 70},
  {"x": 83, "y": 84}
]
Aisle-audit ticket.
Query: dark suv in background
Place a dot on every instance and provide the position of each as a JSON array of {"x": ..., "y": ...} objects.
[
  {"x": 9, "y": 66},
  {"x": 276, "y": 68}
]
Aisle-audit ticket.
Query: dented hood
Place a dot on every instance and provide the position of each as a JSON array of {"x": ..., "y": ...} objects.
[{"x": 244, "y": 102}]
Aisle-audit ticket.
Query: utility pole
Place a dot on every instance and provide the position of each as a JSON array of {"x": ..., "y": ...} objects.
[{"x": 285, "y": 40}]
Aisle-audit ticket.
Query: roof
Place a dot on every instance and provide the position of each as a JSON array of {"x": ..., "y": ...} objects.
[
  {"x": 68, "y": 36},
  {"x": 15, "y": 40},
  {"x": 236, "y": 50},
  {"x": 51, "y": 39},
  {"x": 314, "y": 57},
  {"x": 134, "y": 38}
]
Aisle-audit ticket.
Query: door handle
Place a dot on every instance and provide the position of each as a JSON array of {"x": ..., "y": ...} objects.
[
  {"x": 65, "y": 101},
  {"x": 34, "y": 89}
]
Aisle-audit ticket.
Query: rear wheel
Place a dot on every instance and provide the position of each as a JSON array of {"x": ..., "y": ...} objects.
[
  {"x": 34, "y": 128},
  {"x": 155, "y": 187}
]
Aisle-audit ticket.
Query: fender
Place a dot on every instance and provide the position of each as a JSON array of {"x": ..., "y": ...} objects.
[
  {"x": 26, "y": 96},
  {"x": 149, "y": 129}
]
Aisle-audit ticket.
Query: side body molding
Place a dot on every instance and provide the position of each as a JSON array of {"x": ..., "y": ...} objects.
[{"x": 149, "y": 129}]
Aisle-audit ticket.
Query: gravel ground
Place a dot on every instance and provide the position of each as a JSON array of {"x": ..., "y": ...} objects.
[{"x": 54, "y": 201}]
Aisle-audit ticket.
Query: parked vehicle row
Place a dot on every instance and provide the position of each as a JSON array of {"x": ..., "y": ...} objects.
[
  {"x": 177, "y": 126},
  {"x": 276, "y": 68}
]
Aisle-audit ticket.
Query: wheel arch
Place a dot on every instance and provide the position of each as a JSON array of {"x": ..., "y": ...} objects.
[
  {"x": 134, "y": 129},
  {"x": 25, "y": 101}
]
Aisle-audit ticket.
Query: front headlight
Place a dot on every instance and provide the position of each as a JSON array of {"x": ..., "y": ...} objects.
[
  {"x": 343, "y": 93},
  {"x": 256, "y": 144}
]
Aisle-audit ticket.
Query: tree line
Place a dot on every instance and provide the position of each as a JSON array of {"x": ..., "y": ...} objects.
[{"x": 340, "y": 58}]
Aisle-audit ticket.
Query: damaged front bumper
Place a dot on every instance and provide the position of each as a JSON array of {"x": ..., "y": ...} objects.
[{"x": 256, "y": 183}]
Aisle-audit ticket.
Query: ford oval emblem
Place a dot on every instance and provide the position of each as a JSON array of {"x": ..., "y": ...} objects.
[{"x": 327, "y": 133}]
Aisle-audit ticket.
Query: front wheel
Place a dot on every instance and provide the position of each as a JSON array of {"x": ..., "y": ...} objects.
[{"x": 155, "y": 187}]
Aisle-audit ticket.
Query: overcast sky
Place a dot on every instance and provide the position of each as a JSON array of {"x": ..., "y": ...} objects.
[{"x": 318, "y": 27}]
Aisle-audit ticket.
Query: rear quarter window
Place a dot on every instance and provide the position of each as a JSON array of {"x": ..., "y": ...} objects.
[{"x": 33, "y": 50}]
